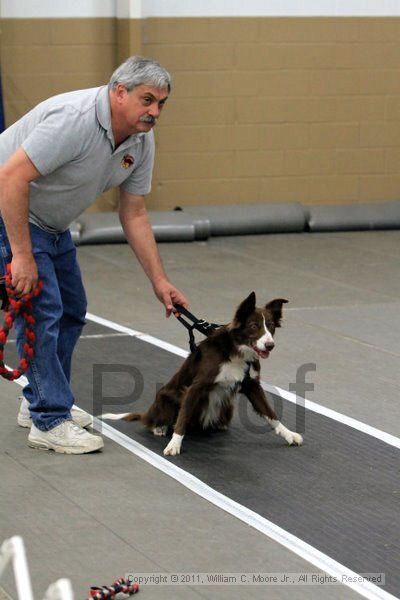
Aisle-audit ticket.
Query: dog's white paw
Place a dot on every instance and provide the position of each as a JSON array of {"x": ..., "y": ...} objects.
[
  {"x": 174, "y": 447},
  {"x": 171, "y": 450},
  {"x": 293, "y": 438},
  {"x": 161, "y": 430}
]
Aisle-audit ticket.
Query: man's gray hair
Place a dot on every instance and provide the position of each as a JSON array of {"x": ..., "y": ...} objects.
[{"x": 137, "y": 70}]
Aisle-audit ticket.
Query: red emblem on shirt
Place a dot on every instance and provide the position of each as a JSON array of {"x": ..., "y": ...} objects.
[{"x": 127, "y": 161}]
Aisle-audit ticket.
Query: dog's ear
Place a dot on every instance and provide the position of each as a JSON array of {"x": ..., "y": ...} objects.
[
  {"x": 275, "y": 308},
  {"x": 244, "y": 310}
]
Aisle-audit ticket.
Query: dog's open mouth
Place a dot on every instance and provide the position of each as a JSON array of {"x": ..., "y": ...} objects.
[{"x": 261, "y": 353}]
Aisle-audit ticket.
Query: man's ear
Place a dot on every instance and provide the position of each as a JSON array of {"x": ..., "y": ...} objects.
[
  {"x": 120, "y": 92},
  {"x": 275, "y": 308},
  {"x": 244, "y": 310}
]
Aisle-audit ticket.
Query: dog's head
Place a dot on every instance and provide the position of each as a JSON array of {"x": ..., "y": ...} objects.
[{"x": 254, "y": 327}]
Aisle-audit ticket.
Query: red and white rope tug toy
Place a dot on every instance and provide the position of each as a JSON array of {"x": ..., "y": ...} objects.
[
  {"x": 15, "y": 306},
  {"x": 119, "y": 586}
]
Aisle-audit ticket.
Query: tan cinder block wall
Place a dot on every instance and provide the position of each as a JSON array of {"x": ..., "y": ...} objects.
[
  {"x": 277, "y": 109},
  {"x": 262, "y": 110},
  {"x": 44, "y": 57}
]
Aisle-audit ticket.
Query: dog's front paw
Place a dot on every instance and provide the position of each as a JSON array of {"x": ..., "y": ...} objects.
[
  {"x": 174, "y": 447},
  {"x": 294, "y": 439},
  {"x": 291, "y": 437},
  {"x": 172, "y": 450}
]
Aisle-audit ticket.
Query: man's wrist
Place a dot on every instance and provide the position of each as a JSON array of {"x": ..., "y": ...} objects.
[
  {"x": 159, "y": 280},
  {"x": 25, "y": 253}
]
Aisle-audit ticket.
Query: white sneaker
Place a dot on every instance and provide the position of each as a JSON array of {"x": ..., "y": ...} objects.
[
  {"x": 80, "y": 417},
  {"x": 66, "y": 438}
]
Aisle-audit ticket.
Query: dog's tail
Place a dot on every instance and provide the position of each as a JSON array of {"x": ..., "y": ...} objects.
[{"x": 122, "y": 416}]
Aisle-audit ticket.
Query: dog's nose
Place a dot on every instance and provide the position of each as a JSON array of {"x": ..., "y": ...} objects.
[{"x": 270, "y": 346}]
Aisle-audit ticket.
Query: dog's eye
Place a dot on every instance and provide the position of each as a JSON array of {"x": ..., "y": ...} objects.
[{"x": 253, "y": 326}]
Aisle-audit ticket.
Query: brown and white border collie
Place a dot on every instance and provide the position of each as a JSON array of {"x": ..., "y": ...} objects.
[{"x": 202, "y": 392}]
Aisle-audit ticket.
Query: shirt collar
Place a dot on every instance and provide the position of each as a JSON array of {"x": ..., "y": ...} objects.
[{"x": 103, "y": 111}]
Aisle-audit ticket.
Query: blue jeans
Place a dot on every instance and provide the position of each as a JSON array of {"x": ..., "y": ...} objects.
[{"x": 59, "y": 311}]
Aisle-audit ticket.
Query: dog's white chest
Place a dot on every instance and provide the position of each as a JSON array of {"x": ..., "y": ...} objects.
[
  {"x": 217, "y": 399},
  {"x": 231, "y": 372}
]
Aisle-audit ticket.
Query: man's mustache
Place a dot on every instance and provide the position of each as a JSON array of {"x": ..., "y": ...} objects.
[{"x": 148, "y": 119}]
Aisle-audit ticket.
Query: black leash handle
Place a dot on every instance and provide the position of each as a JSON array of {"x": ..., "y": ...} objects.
[
  {"x": 200, "y": 325},
  {"x": 184, "y": 311}
]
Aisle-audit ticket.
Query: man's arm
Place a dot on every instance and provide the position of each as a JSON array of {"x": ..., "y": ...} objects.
[
  {"x": 15, "y": 176},
  {"x": 138, "y": 232}
]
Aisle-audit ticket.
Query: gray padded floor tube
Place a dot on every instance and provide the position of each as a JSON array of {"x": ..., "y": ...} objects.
[
  {"x": 201, "y": 222},
  {"x": 347, "y": 217},
  {"x": 168, "y": 226},
  {"x": 242, "y": 219},
  {"x": 75, "y": 234}
]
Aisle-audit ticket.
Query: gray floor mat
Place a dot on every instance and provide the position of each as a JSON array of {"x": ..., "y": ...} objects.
[{"x": 339, "y": 492}]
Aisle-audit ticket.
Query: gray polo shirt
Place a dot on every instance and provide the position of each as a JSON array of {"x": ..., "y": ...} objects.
[{"x": 70, "y": 141}]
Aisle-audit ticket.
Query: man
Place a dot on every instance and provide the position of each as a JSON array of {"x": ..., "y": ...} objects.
[{"x": 56, "y": 161}]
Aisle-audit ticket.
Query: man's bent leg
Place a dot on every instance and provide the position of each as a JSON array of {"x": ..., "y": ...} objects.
[
  {"x": 74, "y": 304},
  {"x": 48, "y": 392}
]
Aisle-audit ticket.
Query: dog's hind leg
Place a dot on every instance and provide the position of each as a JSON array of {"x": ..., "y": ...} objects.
[
  {"x": 162, "y": 414},
  {"x": 160, "y": 430},
  {"x": 252, "y": 389}
]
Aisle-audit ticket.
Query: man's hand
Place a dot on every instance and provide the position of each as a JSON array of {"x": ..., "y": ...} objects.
[
  {"x": 24, "y": 274},
  {"x": 169, "y": 295},
  {"x": 15, "y": 176}
]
